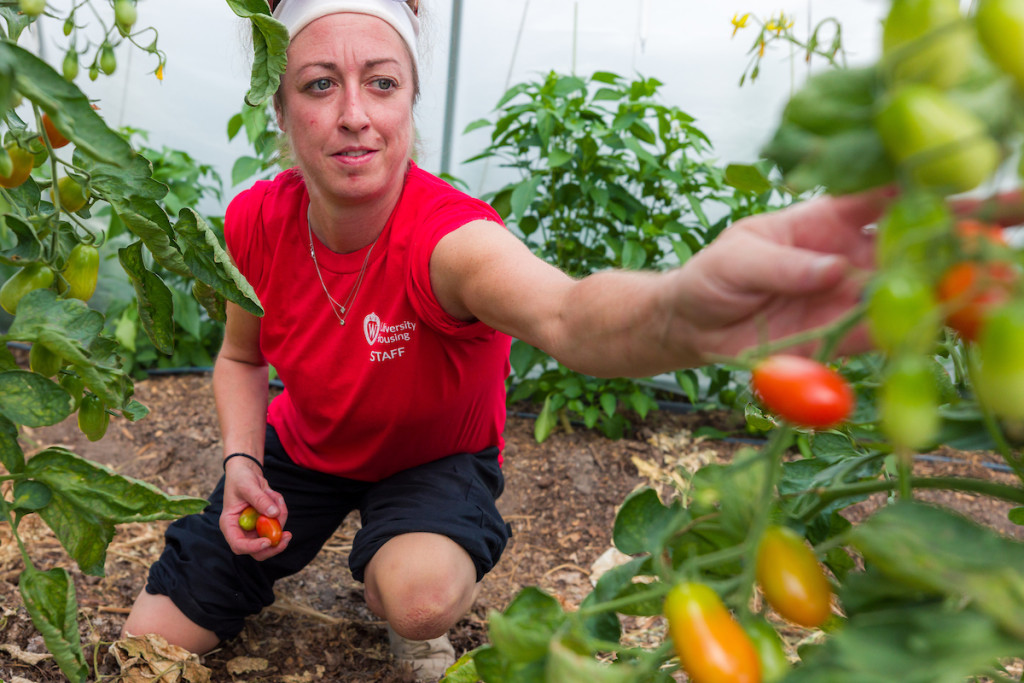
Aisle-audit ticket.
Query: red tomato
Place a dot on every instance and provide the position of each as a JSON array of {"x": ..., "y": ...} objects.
[
  {"x": 791, "y": 578},
  {"x": 971, "y": 290},
  {"x": 56, "y": 138},
  {"x": 712, "y": 646},
  {"x": 803, "y": 391},
  {"x": 269, "y": 527}
]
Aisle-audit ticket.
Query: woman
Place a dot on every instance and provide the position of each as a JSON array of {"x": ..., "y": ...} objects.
[{"x": 390, "y": 300}]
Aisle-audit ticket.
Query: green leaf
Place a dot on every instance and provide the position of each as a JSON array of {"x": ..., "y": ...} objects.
[
  {"x": 156, "y": 305},
  {"x": 463, "y": 670},
  {"x": 1016, "y": 515},
  {"x": 545, "y": 423},
  {"x": 643, "y": 522},
  {"x": 50, "y": 600},
  {"x": 609, "y": 403},
  {"x": 524, "y": 630},
  {"x": 89, "y": 499},
  {"x": 210, "y": 264},
  {"x": 31, "y": 495},
  {"x": 492, "y": 666},
  {"x": 270, "y": 42},
  {"x": 936, "y": 550},
  {"x": 524, "y": 194},
  {"x": 245, "y": 168},
  {"x": 68, "y": 107},
  {"x": 565, "y": 665},
  {"x": 11, "y": 455},
  {"x": 747, "y": 178},
  {"x": 32, "y": 400}
]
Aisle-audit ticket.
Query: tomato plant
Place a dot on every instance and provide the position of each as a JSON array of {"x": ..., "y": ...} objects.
[
  {"x": 802, "y": 391},
  {"x": 247, "y": 520},
  {"x": 269, "y": 528},
  {"x": 712, "y": 646}
]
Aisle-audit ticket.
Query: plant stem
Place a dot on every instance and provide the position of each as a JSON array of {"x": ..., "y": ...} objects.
[{"x": 827, "y": 496}]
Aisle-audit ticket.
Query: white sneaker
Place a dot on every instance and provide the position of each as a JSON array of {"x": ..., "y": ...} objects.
[{"x": 422, "y": 660}]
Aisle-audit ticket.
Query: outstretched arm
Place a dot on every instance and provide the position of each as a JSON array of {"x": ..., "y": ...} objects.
[{"x": 765, "y": 277}]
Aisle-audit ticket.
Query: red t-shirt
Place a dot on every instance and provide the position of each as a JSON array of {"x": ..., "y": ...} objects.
[{"x": 403, "y": 382}]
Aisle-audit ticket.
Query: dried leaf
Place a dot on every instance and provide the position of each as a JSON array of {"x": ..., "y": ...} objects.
[
  {"x": 30, "y": 658},
  {"x": 151, "y": 659},
  {"x": 244, "y": 665}
]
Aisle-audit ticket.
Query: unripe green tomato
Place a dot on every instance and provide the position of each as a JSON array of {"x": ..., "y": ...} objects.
[
  {"x": 72, "y": 194},
  {"x": 94, "y": 72},
  {"x": 69, "y": 25},
  {"x": 712, "y": 646},
  {"x": 93, "y": 417},
  {"x": 908, "y": 403},
  {"x": 999, "y": 380},
  {"x": 81, "y": 271},
  {"x": 32, "y": 8},
  {"x": 22, "y": 163},
  {"x": 125, "y": 14},
  {"x": 70, "y": 65},
  {"x": 1000, "y": 26},
  {"x": 74, "y": 385},
  {"x": 6, "y": 163},
  {"x": 914, "y": 233},
  {"x": 926, "y": 41},
  {"x": 44, "y": 361},
  {"x": 791, "y": 578},
  {"x": 108, "y": 61},
  {"x": 942, "y": 145},
  {"x": 32, "y": 276},
  {"x": 902, "y": 312},
  {"x": 774, "y": 663}
]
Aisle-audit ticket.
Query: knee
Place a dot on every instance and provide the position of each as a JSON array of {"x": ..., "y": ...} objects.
[{"x": 426, "y": 611}]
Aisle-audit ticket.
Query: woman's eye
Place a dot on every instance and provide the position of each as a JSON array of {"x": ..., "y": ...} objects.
[
  {"x": 320, "y": 84},
  {"x": 384, "y": 83}
]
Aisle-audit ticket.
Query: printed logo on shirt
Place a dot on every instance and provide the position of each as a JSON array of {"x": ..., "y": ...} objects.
[{"x": 380, "y": 333}]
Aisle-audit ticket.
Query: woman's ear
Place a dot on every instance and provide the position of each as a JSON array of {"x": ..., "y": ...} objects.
[{"x": 279, "y": 112}]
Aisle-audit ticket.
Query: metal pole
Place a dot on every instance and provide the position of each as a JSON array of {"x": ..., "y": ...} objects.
[{"x": 453, "y": 81}]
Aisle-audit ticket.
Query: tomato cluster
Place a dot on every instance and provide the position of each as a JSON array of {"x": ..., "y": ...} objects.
[{"x": 265, "y": 527}]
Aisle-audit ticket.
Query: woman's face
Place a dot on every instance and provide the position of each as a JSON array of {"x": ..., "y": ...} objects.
[{"x": 346, "y": 104}]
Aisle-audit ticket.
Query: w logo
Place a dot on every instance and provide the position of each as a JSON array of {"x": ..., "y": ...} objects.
[{"x": 371, "y": 328}]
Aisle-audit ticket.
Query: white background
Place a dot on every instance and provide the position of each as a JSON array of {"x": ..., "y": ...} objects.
[{"x": 686, "y": 44}]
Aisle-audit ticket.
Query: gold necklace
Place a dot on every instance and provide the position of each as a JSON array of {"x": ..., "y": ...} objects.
[{"x": 340, "y": 310}]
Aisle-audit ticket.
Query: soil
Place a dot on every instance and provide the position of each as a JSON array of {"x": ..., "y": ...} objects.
[{"x": 561, "y": 497}]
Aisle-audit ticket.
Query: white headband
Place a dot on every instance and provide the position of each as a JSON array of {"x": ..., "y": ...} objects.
[{"x": 297, "y": 14}]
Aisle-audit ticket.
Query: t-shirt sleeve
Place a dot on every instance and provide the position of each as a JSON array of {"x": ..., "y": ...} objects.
[
  {"x": 442, "y": 221},
  {"x": 242, "y": 221}
]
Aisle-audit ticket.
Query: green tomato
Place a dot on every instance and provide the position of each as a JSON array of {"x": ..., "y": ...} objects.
[
  {"x": 32, "y": 8},
  {"x": 108, "y": 60},
  {"x": 70, "y": 65},
  {"x": 74, "y": 385},
  {"x": 926, "y": 41},
  {"x": 93, "y": 417},
  {"x": 1000, "y": 25},
  {"x": 32, "y": 276},
  {"x": 999, "y": 374},
  {"x": 908, "y": 403},
  {"x": 914, "y": 233},
  {"x": 902, "y": 312},
  {"x": 939, "y": 143},
  {"x": 81, "y": 271},
  {"x": 44, "y": 361},
  {"x": 125, "y": 14},
  {"x": 774, "y": 663}
]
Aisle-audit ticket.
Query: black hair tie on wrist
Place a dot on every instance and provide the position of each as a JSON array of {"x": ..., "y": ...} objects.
[{"x": 241, "y": 455}]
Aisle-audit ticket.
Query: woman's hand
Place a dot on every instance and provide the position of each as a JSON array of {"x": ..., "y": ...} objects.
[
  {"x": 244, "y": 485},
  {"x": 777, "y": 274}
]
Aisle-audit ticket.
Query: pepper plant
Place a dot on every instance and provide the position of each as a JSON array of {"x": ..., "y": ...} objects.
[
  {"x": 609, "y": 177},
  {"x": 913, "y": 591},
  {"x": 52, "y": 132}
]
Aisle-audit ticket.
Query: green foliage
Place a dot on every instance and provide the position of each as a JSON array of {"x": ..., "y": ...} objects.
[
  {"x": 147, "y": 204},
  {"x": 609, "y": 178}
]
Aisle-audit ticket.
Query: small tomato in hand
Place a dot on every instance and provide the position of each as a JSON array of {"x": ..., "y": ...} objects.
[
  {"x": 247, "y": 520},
  {"x": 712, "y": 646},
  {"x": 269, "y": 527},
  {"x": 803, "y": 391},
  {"x": 791, "y": 578}
]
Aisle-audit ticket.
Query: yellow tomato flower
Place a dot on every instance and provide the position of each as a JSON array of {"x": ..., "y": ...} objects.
[
  {"x": 739, "y": 22},
  {"x": 160, "y": 72}
]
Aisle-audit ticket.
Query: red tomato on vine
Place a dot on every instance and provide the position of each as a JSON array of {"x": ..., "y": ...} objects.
[{"x": 803, "y": 391}]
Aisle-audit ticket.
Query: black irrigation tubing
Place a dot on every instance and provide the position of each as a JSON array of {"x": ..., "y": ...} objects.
[{"x": 669, "y": 406}]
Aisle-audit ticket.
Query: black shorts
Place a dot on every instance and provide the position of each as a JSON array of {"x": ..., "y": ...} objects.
[{"x": 216, "y": 589}]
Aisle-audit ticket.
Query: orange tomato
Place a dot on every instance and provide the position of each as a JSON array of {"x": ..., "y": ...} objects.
[{"x": 791, "y": 578}]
